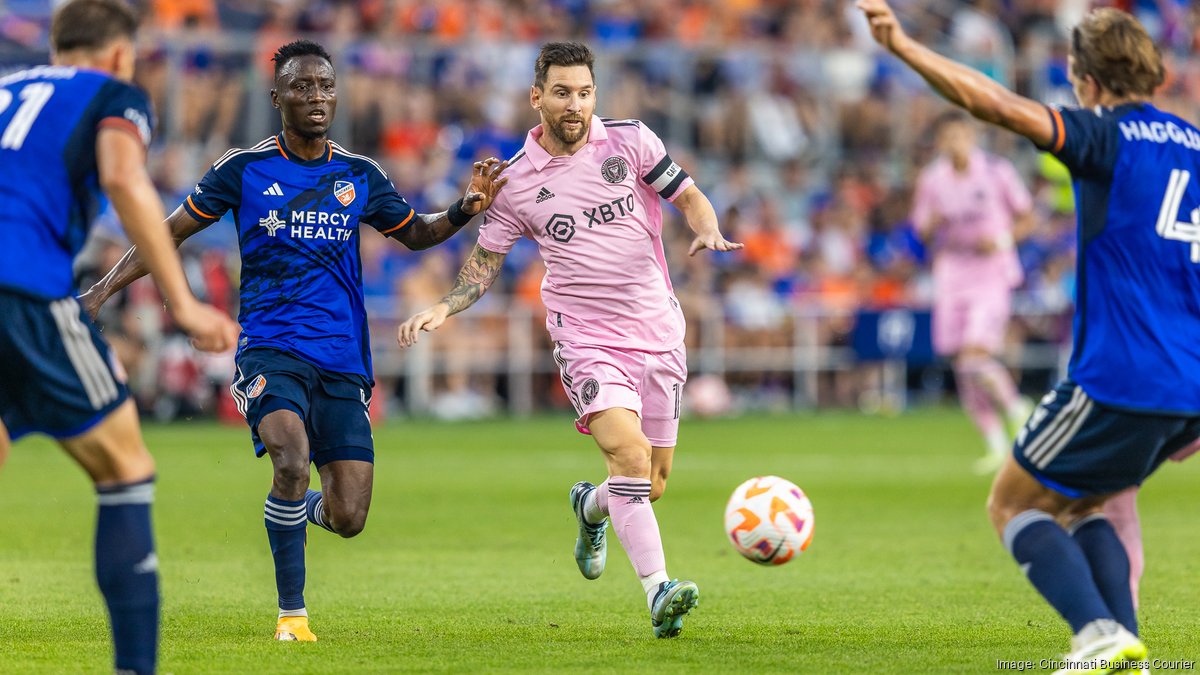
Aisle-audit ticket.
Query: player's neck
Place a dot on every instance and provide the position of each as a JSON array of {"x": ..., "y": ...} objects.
[
  {"x": 1107, "y": 99},
  {"x": 304, "y": 147}
]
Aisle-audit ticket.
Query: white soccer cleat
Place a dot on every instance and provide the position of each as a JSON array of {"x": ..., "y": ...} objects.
[
  {"x": 1103, "y": 646},
  {"x": 591, "y": 547}
]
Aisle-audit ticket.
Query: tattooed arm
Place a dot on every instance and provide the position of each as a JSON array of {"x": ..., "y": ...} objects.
[{"x": 475, "y": 277}]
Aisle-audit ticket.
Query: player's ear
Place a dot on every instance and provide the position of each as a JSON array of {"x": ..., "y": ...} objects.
[
  {"x": 274, "y": 98},
  {"x": 535, "y": 97}
]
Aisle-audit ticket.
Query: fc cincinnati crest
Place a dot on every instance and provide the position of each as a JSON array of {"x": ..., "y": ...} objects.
[
  {"x": 344, "y": 192},
  {"x": 589, "y": 390},
  {"x": 614, "y": 170},
  {"x": 256, "y": 387}
]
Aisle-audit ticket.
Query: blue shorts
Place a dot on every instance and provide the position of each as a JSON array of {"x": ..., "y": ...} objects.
[
  {"x": 1079, "y": 447},
  {"x": 334, "y": 406},
  {"x": 57, "y": 374}
]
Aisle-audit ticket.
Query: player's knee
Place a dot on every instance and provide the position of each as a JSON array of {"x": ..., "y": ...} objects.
[
  {"x": 348, "y": 523},
  {"x": 291, "y": 472}
]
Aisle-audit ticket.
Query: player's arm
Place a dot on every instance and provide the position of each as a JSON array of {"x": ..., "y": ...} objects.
[
  {"x": 965, "y": 87},
  {"x": 431, "y": 229},
  {"x": 474, "y": 279},
  {"x": 701, "y": 217},
  {"x": 131, "y": 266},
  {"x": 122, "y": 176}
]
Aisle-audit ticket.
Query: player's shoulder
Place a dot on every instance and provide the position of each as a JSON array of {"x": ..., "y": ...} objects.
[
  {"x": 361, "y": 162},
  {"x": 235, "y": 159},
  {"x": 610, "y": 123}
]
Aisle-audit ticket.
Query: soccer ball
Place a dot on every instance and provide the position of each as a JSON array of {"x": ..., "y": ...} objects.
[{"x": 769, "y": 520}]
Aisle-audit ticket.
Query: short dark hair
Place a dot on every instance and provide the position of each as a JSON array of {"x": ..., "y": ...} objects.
[
  {"x": 91, "y": 24},
  {"x": 561, "y": 54},
  {"x": 1111, "y": 46},
  {"x": 952, "y": 116},
  {"x": 297, "y": 49}
]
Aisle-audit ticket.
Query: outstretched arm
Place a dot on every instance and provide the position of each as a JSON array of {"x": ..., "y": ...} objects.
[
  {"x": 431, "y": 229},
  {"x": 132, "y": 267},
  {"x": 965, "y": 87},
  {"x": 475, "y": 277},
  {"x": 702, "y": 218}
]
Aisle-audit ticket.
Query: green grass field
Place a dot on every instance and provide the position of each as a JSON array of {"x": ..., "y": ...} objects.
[{"x": 466, "y": 563}]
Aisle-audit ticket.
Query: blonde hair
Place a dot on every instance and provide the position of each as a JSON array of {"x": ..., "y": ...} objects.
[{"x": 1112, "y": 47}]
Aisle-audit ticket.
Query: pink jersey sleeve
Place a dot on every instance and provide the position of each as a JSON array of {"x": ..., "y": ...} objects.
[
  {"x": 1016, "y": 195},
  {"x": 656, "y": 168},
  {"x": 922, "y": 208},
  {"x": 500, "y": 228}
]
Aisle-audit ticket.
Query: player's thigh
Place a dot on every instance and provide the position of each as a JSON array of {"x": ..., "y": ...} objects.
[
  {"x": 985, "y": 320},
  {"x": 661, "y": 391},
  {"x": 598, "y": 379},
  {"x": 948, "y": 322},
  {"x": 618, "y": 433},
  {"x": 1080, "y": 448},
  {"x": 113, "y": 450},
  {"x": 271, "y": 390}
]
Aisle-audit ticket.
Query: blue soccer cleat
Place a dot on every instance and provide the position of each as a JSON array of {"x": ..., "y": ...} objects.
[
  {"x": 591, "y": 547},
  {"x": 674, "y": 599}
]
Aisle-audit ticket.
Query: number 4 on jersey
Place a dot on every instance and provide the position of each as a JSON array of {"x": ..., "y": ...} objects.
[{"x": 1169, "y": 226}]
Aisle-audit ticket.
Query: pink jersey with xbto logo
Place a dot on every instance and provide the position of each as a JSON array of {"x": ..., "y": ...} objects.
[{"x": 597, "y": 220}]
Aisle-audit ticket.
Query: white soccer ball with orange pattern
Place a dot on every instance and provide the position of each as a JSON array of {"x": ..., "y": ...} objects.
[{"x": 769, "y": 520}]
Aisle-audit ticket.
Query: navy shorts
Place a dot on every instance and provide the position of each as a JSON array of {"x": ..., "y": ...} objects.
[
  {"x": 1079, "y": 447},
  {"x": 57, "y": 374},
  {"x": 334, "y": 406}
]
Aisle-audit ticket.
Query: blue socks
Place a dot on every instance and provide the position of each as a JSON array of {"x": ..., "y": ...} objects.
[
  {"x": 1057, "y": 567},
  {"x": 1109, "y": 564},
  {"x": 127, "y": 573},
  {"x": 285, "y": 521},
  {"x": 314, "y": 505}
]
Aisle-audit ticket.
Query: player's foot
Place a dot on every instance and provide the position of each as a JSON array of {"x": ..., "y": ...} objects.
[
  {"x": 674, "y": 599},
  {"x": 988, "y": 464},
  {"x": 1016, "y": 418},
  {"x": 1103, "y": 646},
  {"x": 294, "y": 629},
  {"x": 591, "y": 547}
]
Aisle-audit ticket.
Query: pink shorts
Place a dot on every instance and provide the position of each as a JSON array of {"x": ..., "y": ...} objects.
[
  {"x": 977, "y": 319},
  {"x": 648, "y": 383}
]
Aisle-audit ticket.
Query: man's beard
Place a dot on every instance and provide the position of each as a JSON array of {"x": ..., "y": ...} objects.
[{"x": 567, "y": 137}]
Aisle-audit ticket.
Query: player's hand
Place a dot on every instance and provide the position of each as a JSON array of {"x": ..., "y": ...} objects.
[
  {"x": 211, "y": 330},
  {"x": 712, "y": 241},
  {"x": 885, "y": 27},
  {"x": 486, "y": 181},
  {"x": 428, "y": 320},
  {"x": 91, "y": 302}
]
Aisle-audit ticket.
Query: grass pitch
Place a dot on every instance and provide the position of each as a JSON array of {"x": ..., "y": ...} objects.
[{"x": 466, "y": 563}]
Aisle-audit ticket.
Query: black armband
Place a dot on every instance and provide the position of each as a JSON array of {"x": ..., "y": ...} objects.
[{"x": 456, "y": 216}]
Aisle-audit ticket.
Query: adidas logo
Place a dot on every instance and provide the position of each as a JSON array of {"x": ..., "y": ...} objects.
[
  {"x": 274, "y": 190},
  {"x": 543, "y": 195},
  {"x": 635, "y": 500}
]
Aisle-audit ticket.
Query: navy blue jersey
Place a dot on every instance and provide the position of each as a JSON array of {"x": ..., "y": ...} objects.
[
  {"x": 49, "y": 191},
  {"x": 297, "y": 227},
  {"x": 1136, "y": 173}
]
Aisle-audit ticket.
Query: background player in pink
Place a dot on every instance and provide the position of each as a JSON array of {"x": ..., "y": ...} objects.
[
  {"x": 587, "y": 191},
  {"x": 966, "y": 205}
]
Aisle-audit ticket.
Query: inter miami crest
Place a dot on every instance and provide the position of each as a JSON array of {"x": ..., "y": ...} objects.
[
  {"x": 344, "y": 191},
  {"x": 614, "y": 169},
  {"x": 589, "y": 390}
]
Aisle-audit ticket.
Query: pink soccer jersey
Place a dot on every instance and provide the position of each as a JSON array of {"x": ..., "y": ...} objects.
[
  {"x": 972, "y": 207},
  {"x": 597, "y": 220}
]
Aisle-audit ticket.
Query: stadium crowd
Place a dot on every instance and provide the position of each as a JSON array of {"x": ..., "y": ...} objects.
[{"x": 806, "y": 137}]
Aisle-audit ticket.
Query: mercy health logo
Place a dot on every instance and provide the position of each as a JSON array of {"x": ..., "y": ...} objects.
[{"x": 310, "y": 225}]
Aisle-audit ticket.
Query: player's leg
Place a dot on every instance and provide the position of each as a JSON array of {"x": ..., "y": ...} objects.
[
  {"x": 983, "y": 338},
  {"x": 4, "y": 444},
  {"x": 660, "y": 470},
  {"x": 1121, "y": 510},
  {"x": 662, "y": 400},
  {"x": 345, "y": 497},
  {"x": 114, "y": 456},
  {"x": 285, "y": 437}
]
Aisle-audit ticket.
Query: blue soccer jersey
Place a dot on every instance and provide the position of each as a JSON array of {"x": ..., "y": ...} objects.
[
  {"x": 49, "y": 191},
  {"x": 297, "y": 221},
  {"x": 1136, "y": 173}
]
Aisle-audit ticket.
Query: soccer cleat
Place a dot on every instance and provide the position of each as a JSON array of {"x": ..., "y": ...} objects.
[
  {"x": 674, "y": 599},
  {"x": 1103, "y": 646},
  {"x": 988, "y": 464},
  {"x": 294, "y": 629},
  {"x": 591, "y": 548},
  {"x": 1017, "y": 417}
]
